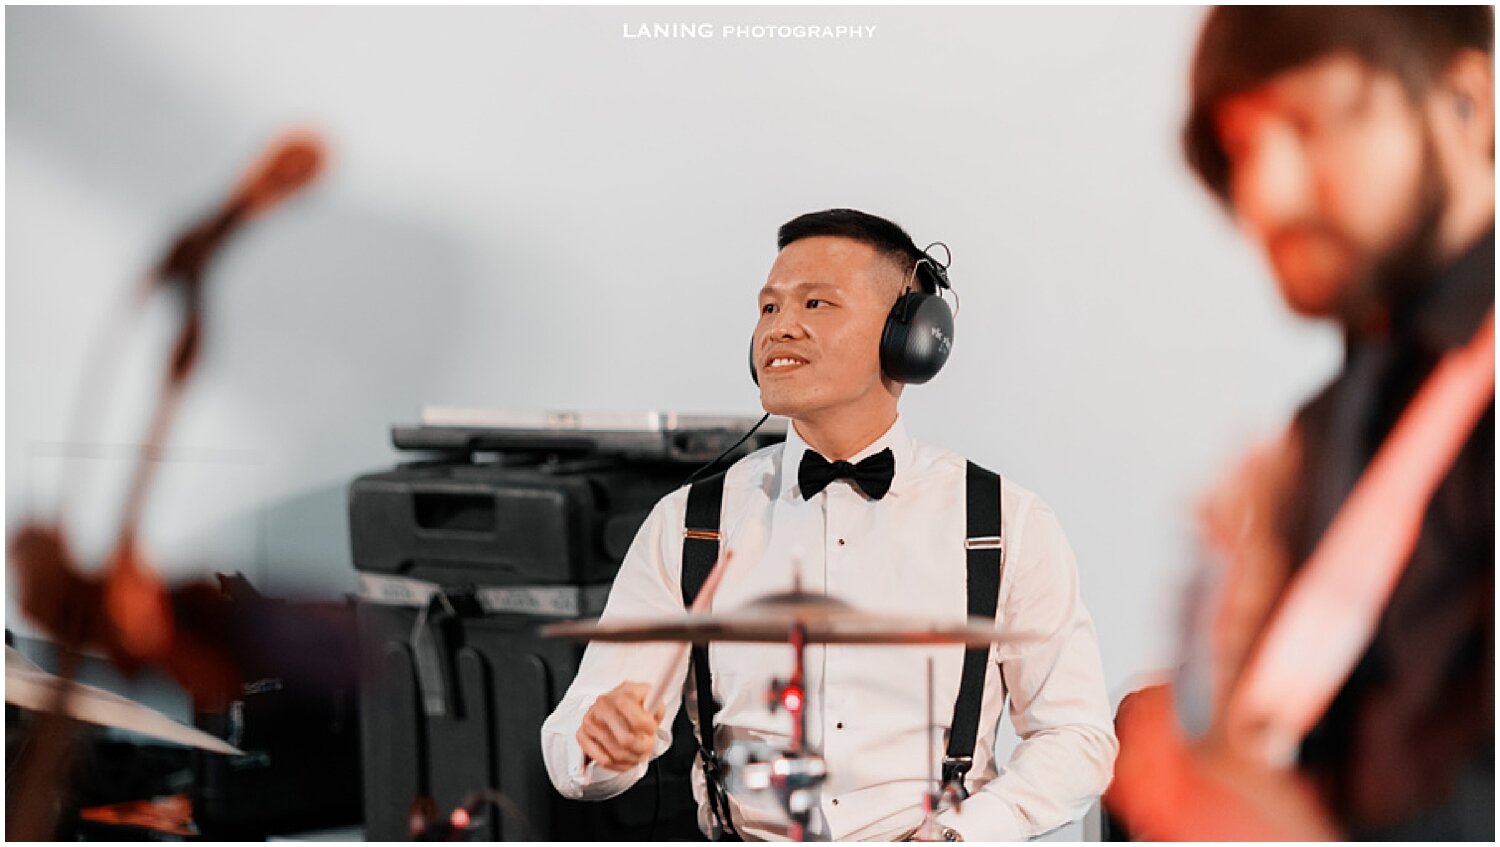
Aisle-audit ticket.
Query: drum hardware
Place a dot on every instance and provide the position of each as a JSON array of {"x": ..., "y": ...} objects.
[
  {"x": 468, "y": 821},
  {"x": 797, "y": 618},
  {"x": 122, "y": 608},
  {"x": 932, "y": 799},
  {"x": 793, "y": 774},
  {"x": 32, "y": 688},
  {"x": 771, "y": 619}
]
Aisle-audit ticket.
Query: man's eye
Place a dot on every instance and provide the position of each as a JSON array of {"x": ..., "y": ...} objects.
[
  {"x": 814, "y": 303},
  {"x": 767, "y": 308}
]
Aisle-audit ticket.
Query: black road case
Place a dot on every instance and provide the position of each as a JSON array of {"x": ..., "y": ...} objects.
[{"x": 460, "y": 562}]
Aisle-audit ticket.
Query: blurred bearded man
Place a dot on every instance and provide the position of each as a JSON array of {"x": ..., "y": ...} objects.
[{"x": 1355, "y": 147}]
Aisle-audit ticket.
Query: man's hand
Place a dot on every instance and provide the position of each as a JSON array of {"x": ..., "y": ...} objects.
[
  {"x": 1167, "y": 788},
  {"x": 618, "y": 732}
]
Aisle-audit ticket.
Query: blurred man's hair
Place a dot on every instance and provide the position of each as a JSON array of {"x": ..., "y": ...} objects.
[
  {"x": 1242, "y": 47},
  {"x": 888, "y": 239}
]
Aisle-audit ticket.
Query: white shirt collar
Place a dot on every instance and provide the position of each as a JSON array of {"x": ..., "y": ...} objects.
[{"x": 895, "y": 438}]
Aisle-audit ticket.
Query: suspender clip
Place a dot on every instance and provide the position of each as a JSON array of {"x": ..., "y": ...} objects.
[{"x": 955, "y": 768}]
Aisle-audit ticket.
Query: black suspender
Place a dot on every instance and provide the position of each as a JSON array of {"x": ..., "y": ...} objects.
[
  {"x": 985, "y": 547},
  {"x": 985, "y": 553},
  {"x": 700, "y": 550}
]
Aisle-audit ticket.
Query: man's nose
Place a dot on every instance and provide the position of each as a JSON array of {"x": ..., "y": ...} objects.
[
  {"x": 785, "y": 324},
  {"x": 1271, "y": 183}
]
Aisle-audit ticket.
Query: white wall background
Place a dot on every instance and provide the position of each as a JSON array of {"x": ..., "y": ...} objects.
[{"x": 526, "y": 210}]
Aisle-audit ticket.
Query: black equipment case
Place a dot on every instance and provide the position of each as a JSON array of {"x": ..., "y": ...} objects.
[{"x": 460, "y": 561}]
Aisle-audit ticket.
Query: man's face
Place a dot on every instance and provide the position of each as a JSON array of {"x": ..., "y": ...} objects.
[
  {"x": 1331, "y": 171},
  {"x": 817, "y": 343}
]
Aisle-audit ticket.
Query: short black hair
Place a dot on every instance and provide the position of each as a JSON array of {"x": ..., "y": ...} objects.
[
  {"x": 888, "y": 238},
  {"x": 1243, "y": 47}
]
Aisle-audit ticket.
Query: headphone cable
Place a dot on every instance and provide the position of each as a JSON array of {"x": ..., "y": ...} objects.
[{"x": 746, "y": 437}]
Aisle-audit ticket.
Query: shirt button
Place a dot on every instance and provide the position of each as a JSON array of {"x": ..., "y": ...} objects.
[
  {"x": 835, "y": 801},
  {"x": 841, "y": 542},
  {"x": 839, "y": 725}
]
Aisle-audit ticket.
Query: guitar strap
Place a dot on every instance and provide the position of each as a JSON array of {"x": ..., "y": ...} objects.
[{"x": 1332, "y": 606}]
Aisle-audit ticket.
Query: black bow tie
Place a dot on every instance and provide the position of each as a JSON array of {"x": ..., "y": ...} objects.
[{"x": 873, "y": 475}]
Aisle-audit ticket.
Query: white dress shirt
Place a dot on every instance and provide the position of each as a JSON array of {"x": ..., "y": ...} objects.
[{"x": 867, "y": 705}]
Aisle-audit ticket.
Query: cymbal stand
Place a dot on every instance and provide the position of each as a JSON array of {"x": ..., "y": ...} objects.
[
  {"x": 794, "y": 774},
  {"x": 930, "y": 830}
]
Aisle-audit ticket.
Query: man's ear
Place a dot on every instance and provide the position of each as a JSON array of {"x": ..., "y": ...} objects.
[{"x": 1465, "y": 103}]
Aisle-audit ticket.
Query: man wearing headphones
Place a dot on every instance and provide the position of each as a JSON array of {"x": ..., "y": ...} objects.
[{"x": 852, "y": 506}]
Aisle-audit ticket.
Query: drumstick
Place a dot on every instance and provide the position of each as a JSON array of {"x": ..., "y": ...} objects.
[{"x": 701, "y": 603}]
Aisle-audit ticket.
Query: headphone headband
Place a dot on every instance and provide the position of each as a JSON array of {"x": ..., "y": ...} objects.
[{"x": 935, "y": 278}]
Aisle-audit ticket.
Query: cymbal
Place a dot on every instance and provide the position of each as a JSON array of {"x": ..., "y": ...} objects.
[
  {"x": 771, "y": 619},
  {"x": 30, "y": 687}
]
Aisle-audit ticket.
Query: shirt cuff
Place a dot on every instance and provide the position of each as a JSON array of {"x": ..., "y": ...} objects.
[
  {"x": 595, "y": 781},
  {"x": 985, "y": 817},
  {"x": 584, "y": 776},
  {"x": 591, "y": 774}
]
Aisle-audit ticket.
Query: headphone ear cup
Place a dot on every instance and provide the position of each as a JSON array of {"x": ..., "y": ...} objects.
[
  {"x": 917, "y": 339},
  {"x": 754, "y": 374}
]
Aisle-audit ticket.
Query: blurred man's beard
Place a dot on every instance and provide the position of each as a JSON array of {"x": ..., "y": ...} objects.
[{"x": 1385, "y": 285}]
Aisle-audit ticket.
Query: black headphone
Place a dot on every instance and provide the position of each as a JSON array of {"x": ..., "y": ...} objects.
[{"x": 918, "y": 334}]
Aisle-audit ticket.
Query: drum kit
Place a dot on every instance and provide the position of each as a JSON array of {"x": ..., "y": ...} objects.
[
  {"x": 30, "y": 687},
  {"x": 798, "y": 619}
]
